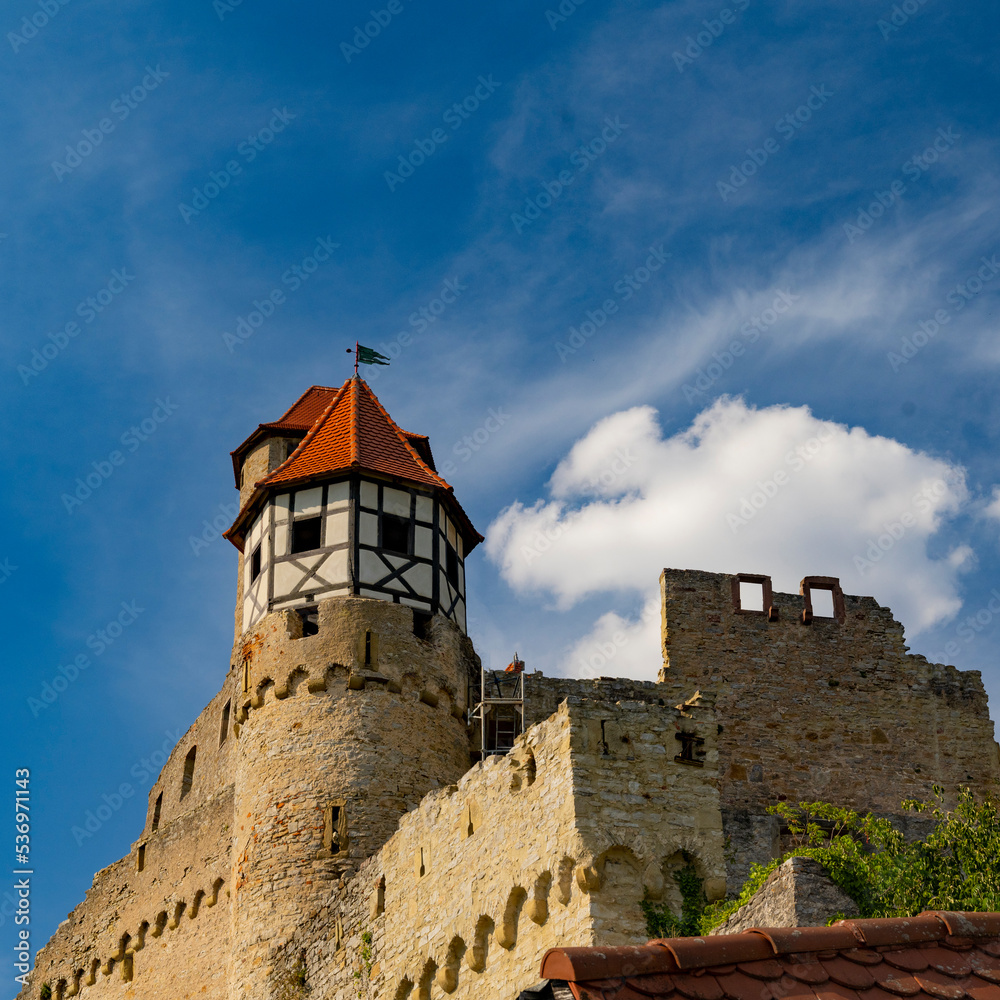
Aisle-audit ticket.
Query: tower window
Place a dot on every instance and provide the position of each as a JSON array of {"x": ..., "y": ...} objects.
[
  {"x": 421, "y": 625},
  {"x": 140, "y": 858},
  {"x": 255, "y": 564},
  {"x": 451, "y": 565},
  {"x": 224, "y": 729},
  {"x": 690, "y": 752},
  {"x": 157, "y": 806},
  {"x": 305, "y": 534},
  {"x": 335, "y": 827},
  {"x": 188, "y": 780},
  {"x": 368, "y": 648},
  {"x": 396, "y": 534},
  {"x": 310, "y": 620}
]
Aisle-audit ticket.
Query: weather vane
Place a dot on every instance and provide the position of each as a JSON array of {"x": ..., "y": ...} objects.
[{"x": 366, "y": 356}]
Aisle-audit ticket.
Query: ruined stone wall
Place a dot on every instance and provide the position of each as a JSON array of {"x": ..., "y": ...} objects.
[
  {"x": 835, "y": 710},
  {"x": 553, "y": 843}
]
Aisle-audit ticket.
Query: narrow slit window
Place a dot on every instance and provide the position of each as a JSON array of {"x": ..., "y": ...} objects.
[
  {"x": 368, "y": 648},
  {"x": 396, "y": 534},
  {"x": 157, "y": 806},
  {"x": 334, "y": 827},
  {"x": 188, "y": 780},
  {"x": 255, "y": 564},
  {"x": 306, "y": 534},
  {"x": 451, "y": 565},
  {"x": 224, "y": 727},
  {"x": 140, "y": 858}
]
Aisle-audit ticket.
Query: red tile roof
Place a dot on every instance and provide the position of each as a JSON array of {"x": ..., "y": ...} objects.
[
  {"x": 939, "y": 955},
  {"x": 346, "y": 429},
  {"x": 354, "y": 431}
]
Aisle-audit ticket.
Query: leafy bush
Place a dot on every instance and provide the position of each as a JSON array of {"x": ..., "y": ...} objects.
[{"x": 954, "y": 867}]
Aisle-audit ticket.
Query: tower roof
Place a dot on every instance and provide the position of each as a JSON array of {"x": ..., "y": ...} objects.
[{"x": 346, "y": 429}]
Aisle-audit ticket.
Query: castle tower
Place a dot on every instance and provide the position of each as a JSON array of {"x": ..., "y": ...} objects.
[{"x": 351, "y": 667}]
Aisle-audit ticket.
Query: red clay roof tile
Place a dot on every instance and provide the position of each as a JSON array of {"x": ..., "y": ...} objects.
[{"x": 916, "y": 961}]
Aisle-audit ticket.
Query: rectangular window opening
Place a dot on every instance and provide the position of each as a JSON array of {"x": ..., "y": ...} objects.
[
  {"x": 822, "y": 603},
  {"x": 306, "y": 534},
  {"x": 451, "y": 565},
  {"x": 255, "y": 564},
  {"x": 224, "y": 728},
  {"x": 690, "y": 749},
  {"x": 422, "y": 625},
  {"x": 396, "y": 534},
  {"x": 310, "y": 620},
  {"x": 368, "y": 649},
  {"x": 156, "y": 812},
  {"x": 751, "y": 596},
  {"x": 334, "y": 825},
  {"x": 140, "y": 858}
]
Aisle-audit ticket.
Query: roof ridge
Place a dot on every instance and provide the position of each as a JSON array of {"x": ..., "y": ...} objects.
[{"x": 401, "y": 434}]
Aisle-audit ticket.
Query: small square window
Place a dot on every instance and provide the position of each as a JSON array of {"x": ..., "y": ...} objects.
[
  {"x": 451, "y": 565},
  {"x": 310, "y": 620},
  {"x": 305, "y": 534},
  {"x": 396, "y": 534},
  {"x": 255, "y": 564}
]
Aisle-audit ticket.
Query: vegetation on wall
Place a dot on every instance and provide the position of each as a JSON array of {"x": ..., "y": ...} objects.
[
  {"x": 661, "y": 922},
  {"x": 954, "y": 867}
]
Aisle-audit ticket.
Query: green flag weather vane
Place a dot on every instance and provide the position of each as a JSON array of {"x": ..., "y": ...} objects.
[{"x": 366, "y": 356}]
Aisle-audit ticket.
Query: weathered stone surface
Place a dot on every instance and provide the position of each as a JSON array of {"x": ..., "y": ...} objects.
[{"x": 798, "y": 893}]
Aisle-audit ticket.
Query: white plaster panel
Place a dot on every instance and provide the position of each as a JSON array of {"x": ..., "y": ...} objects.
[
  {"x": 395, "y": 501},
  {"x": 421, "y": 579},
  {"x": 281, "y": 539},
  {"x": 287, "y": 576},
  {"x": 336, "y": 527},
  {"x": 452, "y": 535},
  {"x": 460, "y": 546},
  {"x": 372, "y": 593},
  {"x": 334, "y": 569},
  {"x": 309, "y": 501},
  {"x": 396, "y": 562},
  {"x": 461, "y": 578},
  {"x": 371, "y": 569},
  {"x": 413, "y": 603},
  {"x": 368, "y": 529},
  {"x": 338, "y": 496},
  {"x": 423, "y": 542},
  {"x": 369, "y": 494},
  {"x": 460, "y": 615},
  {"x": 425, "y": 508},
  {"x": 282, "y": 503},
  {"x": 395, "y": 585}
]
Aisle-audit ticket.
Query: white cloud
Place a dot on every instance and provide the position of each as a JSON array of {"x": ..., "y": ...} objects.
[
  {"x": 993, "y": 508},
  {"x": 773, "y": 490}
]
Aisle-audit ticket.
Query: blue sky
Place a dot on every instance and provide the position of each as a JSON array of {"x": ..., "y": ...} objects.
[{"x": 624, "y": 192}]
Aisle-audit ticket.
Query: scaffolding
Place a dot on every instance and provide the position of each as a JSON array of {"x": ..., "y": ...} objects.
[{"x": 501, "y": 708}]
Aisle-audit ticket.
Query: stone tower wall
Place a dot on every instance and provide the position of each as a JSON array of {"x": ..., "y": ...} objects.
[
  {"x": 833, "y": 710},
  {"x": 332, "y": 751}
]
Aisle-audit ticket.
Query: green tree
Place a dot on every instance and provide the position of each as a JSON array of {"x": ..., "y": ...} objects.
[{"x": 956, "y": 866}]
